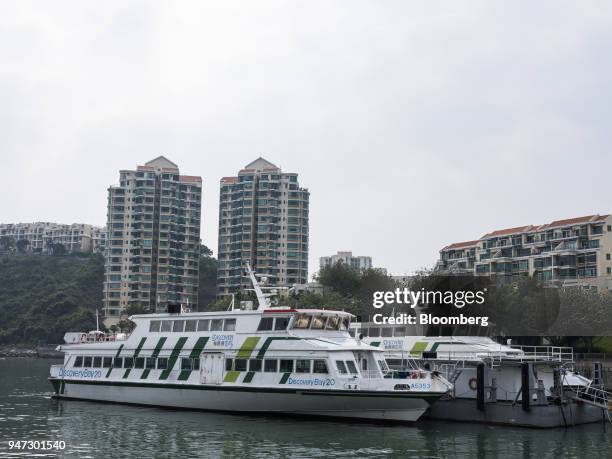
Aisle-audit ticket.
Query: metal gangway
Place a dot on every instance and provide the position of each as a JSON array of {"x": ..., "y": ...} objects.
[{"x": 595, "y": 396}]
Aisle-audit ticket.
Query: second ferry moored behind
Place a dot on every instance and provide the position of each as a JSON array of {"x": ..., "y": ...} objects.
[{"x": 269, "y": 360}]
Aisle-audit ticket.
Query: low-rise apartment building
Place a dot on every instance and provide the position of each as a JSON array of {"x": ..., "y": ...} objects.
[
  {"x": 42, "y": 237},
  {"x": 357, "y": 262},
  {"x": 565, "y": 253}
]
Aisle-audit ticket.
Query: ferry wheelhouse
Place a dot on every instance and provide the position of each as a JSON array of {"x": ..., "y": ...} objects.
[{"x": 268, "y": 360}]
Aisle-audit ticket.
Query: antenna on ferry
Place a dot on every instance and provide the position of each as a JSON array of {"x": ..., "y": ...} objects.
[
  {"x": 97, "y": 325},
  {"x": 262, "y": 300}
]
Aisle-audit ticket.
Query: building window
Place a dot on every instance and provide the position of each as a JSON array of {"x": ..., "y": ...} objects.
[
  {"x": 240, "y": 364},
  {"x": 270, "y": 365},
  {"x": 286, "y": 366},
  {"x": 255, "y": 365},
  {"x": 319, "y": 366},
  {"x": 302, "y": 366}
]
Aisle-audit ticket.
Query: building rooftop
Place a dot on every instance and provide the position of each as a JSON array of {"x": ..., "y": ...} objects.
[
  {"x": 461, "y": 245},
  {"x": 530, "y": 228}
]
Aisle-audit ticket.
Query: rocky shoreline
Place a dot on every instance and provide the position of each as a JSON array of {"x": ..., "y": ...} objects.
[{"x": 12, "y": 351}]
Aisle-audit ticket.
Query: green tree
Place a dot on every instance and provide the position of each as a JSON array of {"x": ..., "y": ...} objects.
[
  {"x": 22, "y": 245},
  {"x": 58, "y": 249},
  {"x": 207, "y": 288},
  {"x": 340, "y": 278},
  {"x": 7, "y": 242},
  {"x": 42, "y": 298}
]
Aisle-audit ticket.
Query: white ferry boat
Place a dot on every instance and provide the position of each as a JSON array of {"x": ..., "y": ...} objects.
[
  {"x": 269, "y": 360},
  {"x": 522, "y": 385}
]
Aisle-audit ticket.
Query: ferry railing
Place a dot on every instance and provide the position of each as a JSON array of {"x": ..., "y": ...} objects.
[{"x": 547, "y": 353}]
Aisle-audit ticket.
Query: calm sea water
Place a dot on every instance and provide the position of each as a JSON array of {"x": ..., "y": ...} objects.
[{"x": 99, "y": 430}]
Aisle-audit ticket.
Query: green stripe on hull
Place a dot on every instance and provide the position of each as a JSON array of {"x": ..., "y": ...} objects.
[
  {"x": 247, "y": 347},
  {"x": 418, "y": 348},
  {"x": 437, "y": 343},
  {"x": 172, "y": 360},
  {"x": 158, "y": 348},
  {"x": 195, "y": 354},
  {"x": 248, "y": 377},
  {"x": 136, "y": 352},
  {"x": 285, "y": 378},
  {"x": 113, "y": 362},
  {"x": 266, "y": 344},
  {"x": 231, "y": 376}
]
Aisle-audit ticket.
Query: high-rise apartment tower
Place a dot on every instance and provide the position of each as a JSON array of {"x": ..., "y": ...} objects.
[
  {"x": 153, "y": 240},
  {"x": 263, "y": 220}
]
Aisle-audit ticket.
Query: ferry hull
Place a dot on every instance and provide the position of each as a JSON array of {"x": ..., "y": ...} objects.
[
  {"x": 368, "y": 405},
  {"x": 570, "y": 413}
]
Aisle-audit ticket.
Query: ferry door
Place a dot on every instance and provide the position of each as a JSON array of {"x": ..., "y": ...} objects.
[{"x": 211, "y": 367}]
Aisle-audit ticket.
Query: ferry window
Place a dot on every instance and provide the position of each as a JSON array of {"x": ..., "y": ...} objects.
[
  {"x": 179, "y": 326},
  {"x": 364, "y": 364},
  {"x": 154, "y": 326},
  {"x": 302, "y": 366},
  {"x": 351, "y": 367},
  {"x": 228, "y": 364},
  {"x": 302, "y": 321},
  {"x": 399, "y": 331},
  {"x": 229, "y": 325},
  {"x": 166, "y": 325},
  {"x": 87, "y": 361},
  {"x": 344, "y": 324},
  {"x": 118, "y": 362},
  {"x": 332, "y": 323},
  {"x": 196, "y": 364},
  {"x": 270, "y": 365},
  {"x": 186, "y": 364},
  {"x": 319, "y": 366},
  {"x": 318, "y": 322},
  {"x": 341, "y": 367},
  {"x": 162, "y": 363},
  {"x": 240, "y": 364},
  {"x": 216, "y": 325},
  {"x": 281, "y": 323},
  {"x": 128, "y": 362},
  {"x": 78, "y": 362},
  {"x": 107, "y": 362},
  {"x": 255, "y": 365},
  {"x": 97, "y": 362},
  {"x": 386, "y": 332},
  {"x": 203, "y": 325},
  {"x": 286, "y": 366},
  {"x": 374, "y": 332},
  {"x": 139, "y": 362},
  {"x": 265, "y": 324},
  {"x": 191, "y": 325},
  {"x": 150, "y": 363}
]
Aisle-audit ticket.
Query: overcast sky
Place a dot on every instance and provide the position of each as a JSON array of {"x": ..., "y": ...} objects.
[{"x": 413, "y": 124}]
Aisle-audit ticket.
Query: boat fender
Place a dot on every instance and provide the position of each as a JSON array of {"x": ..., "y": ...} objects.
[{"x": 473, "y": 384}]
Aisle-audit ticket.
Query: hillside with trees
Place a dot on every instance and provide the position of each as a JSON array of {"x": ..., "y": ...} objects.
[{"x": 41, "y": 297}]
